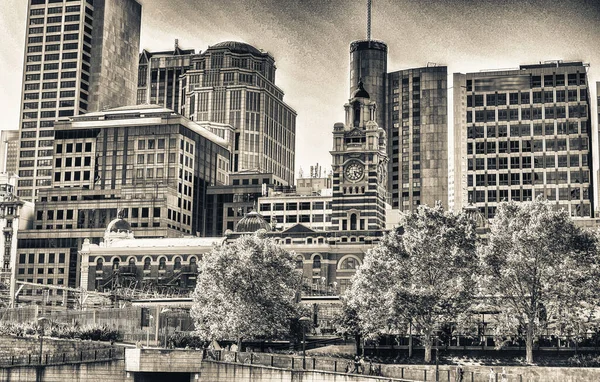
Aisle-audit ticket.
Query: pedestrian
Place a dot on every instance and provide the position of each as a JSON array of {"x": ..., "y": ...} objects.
[
  {"x": 356, "y": 364},
  {"x": 503, "y": 376},
  {"x": 460, "y": 373},
  {"x": 492, "y": 375}
]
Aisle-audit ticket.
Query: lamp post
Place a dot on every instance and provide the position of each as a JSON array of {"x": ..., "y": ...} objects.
[
  {"x": 304, "y": 321},
  {"x": 166, "y": 327},
  {"x": 41, "y": 321}
]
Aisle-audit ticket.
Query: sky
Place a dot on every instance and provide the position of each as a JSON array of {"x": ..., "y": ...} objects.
[{"x": 309, "y": 40}]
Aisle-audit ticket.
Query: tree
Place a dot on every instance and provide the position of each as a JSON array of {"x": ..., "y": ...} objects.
[
  {"x": 539, "y": 267},
  {"x": 422, "y": 275},
  {"x": 246, "y": 289},
  {"x": 347, "y": 324}
]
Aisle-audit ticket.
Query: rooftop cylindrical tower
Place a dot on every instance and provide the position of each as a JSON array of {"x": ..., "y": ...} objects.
[{"x": 368, "y": 63}]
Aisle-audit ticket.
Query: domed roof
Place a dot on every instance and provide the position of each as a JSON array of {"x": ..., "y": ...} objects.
[
  {"x": 118, "y": 225},
  {"x": 238, "y": 47},
  {"x": 252, "y": 222},
  {"x": 361, "y": 92}
]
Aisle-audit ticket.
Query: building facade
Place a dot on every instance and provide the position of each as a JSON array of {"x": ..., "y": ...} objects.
[
  {"x": 80, "y": 56},
  {"x": 524, "y": 133},
  {"x": 15, "y": 216},
  {"x": 359, "y": 165},
  {"x": 158, "y": 76},
  {"x": 145, "y": 163},
  {"x": 417, "y": 127},
  {"x": 234, "y": 83},
  {"x": 228, "y": 204},
  {"x": 9, "y": 151}
]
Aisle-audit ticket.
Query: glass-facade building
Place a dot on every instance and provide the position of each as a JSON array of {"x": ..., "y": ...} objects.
[
  {"x": 80, "y": 56},
  {"x": 524, "y": 133},
  {"x": 158, "y": 76},
  {"x": 417, "y": 124},
  {"x": 233, "y": 83}
]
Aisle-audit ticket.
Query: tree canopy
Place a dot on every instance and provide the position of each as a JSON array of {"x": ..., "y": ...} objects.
[
  {"x": 539, "y": 267},
  {"x": 246, "y": 289},
  {"x": 422, "y": 274}
]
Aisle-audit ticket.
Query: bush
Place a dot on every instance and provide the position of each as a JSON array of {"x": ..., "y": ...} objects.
[
  {"x": 59, "y": 330},
  {"x": 186, "y": 340}
]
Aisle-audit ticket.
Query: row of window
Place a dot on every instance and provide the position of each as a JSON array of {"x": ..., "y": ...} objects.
[
  {"x": 527, "y": 178},
  {"x": 523, "y": 130},
  {"x": 30, "y": 258},
  {"x": 535, "y": 145},
  {"x": 48, "y": 114},
  {"x": 548, "y": 161},
  {"x": 529, "y": 113},
  {"x": 293, "y": 206},
  {"x": 547, "y": 96},
  {"x": 50, "y": 85},
  {"x": 496, "y": 196}
]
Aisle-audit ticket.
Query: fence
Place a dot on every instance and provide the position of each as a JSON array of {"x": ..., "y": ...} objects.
[
  {"x": 103, "y": 354},
  {"x": 414, "y": 373}
]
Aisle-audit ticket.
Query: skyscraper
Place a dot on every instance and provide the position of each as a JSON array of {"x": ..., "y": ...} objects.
[
  {"x": 9, "y": 148},
  {"x": 523, "y": 133},
  {"x": 417, "y": 126},
  {"x": 234, "y": 83},
  {"x": 411, "y": 106},
  {"x": 158, "y": 76},
  {"x": 145, "y": 163},
  {"x": 80, "y": 56}
]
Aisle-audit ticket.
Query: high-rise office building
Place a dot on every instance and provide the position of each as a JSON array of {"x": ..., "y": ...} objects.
[
  {"x": 145, "y": 163},
  {"x": 80, "y": 56},
  {"x": 158, "y": 76},
  {"x": 523, "y": 133},
  {"x": 411, "y": 105},
  {"x": 9, "y": 151},
  {"x": 417, "y": 127},
  {"x": 234, "y": 83}
]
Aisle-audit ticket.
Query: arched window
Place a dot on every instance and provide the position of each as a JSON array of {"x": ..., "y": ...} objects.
[
  {"x": 353, "y": 222},
  {"x": 131, "y": 261},
  {"x": 349, "y": 263},
  {"x": 131, "y": 265},
  {"x": 317, "y": 262},
  {"x": 177, "y": 264},
  {"x": 116, "y": 264},
  {"x": 162, "y": 264},
  {"x": 193, "y": 265},
  {"x": 299, "y": 262},
  {"x": 147, "y": 264},
  {"x": 99, "y": 264},
  {"x": 356, "y": 107}
]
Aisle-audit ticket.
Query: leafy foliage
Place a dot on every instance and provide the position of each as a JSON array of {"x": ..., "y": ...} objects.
[
  {"x": 541, "y": 270},
  {"x": 246, "y": 289},
  {"x": 184, "y": 340},
  {"x": 60, "y": 330},
  {"x": 423, "y": 276}
]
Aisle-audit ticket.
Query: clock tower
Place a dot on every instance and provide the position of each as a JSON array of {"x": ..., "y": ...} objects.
[{"x": 359, "y": 160}]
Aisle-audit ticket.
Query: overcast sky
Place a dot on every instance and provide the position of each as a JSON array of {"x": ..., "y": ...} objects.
[{"x": 310, "y": 42}]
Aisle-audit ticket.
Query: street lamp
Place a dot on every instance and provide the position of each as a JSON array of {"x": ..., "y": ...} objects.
[
  {"x": 304, "y": 321},
  {"x": 41, "y": 321},
  {"x": 166, "y": 328}
]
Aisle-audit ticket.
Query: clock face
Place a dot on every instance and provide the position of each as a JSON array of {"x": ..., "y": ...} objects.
[{"x": 354, "y": 171}]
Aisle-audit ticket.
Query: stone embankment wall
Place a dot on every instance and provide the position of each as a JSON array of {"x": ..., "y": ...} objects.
[{"x": 109, "y": 371}]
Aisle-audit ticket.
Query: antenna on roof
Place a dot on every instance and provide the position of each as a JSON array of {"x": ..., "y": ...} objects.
[
  {"x": 368, "y": 19},
  {"x": 176, "y": 43}
]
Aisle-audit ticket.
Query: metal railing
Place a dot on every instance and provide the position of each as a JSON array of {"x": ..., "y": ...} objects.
[
  {"x": 90, "y": 355},
  {"x": 340, "y": 365}
]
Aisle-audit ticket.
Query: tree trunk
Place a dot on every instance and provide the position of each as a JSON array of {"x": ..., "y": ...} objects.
[
  {"x": 357, "y": 339},
  {"x": 410, "y": 340},
  {"x": 529, "y": 343},
  {"x": 239, "y": 344},
  {"x": 428, "y": 349}
]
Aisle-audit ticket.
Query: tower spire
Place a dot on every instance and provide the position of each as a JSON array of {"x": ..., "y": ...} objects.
[{"x": 368, "y": 19}]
